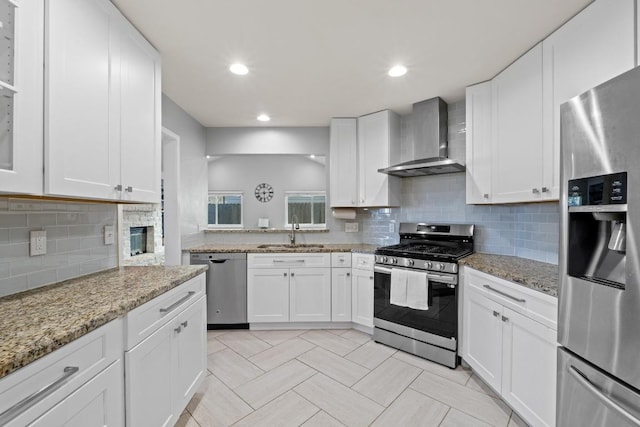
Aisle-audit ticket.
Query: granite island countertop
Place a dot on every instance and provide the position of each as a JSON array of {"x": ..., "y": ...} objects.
[
  {"x": 535, "y": 275},
  {"x": 301, "y": 248},
  {"x": 37, "y": 322}
]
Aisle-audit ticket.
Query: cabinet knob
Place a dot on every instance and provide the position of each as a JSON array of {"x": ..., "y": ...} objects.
[
  {"x": 285, "y": 274},
  {"x": 545, "y": 190},
  {"x": 495, "y": 314},
  {"x": 185, "y": 323},
  {"x": 485, "y": 195},
  {"x": 118, "y": 187},
  {"x": 129, "y": 189},
  {"x": 535, "y": 191},
  {"x": 348, "y": 274},
  {"x": 370, "y": 277},
  {"x": 504, "y": 318},
  {"x": 178, "y": 329},
  {"x": 292, "y": 274}
]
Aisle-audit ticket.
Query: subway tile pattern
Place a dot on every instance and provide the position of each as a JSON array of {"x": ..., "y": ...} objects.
[
  {"x": 525, "y": 230},
  {"x": 75, "y": 244},
  {"x": 320, "y": 378}
]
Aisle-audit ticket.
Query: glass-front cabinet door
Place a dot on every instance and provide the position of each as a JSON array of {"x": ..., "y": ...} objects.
[{"x": 21, "y": 96}]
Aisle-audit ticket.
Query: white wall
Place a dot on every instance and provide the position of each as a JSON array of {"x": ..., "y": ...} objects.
[
  {"x": 283, "y": 172},
  {"x": 193, "y": 168},
  {"x": 268, "y": 140}
]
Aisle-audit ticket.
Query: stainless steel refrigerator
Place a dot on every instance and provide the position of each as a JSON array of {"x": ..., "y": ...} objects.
[{"x": 599, "y": 295}]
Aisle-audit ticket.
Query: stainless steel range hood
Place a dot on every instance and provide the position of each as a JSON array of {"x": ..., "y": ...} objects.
[{"x": 429, "y": 142}]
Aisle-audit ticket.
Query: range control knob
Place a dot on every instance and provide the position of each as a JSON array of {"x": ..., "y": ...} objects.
[
  {"x": 384, "y": 259},
  {"x": 439, "y": 266},
  {"x": 409, "y": 262},
  {"x": 428, "y": 264},
  {"x": 393, "y": 260}
]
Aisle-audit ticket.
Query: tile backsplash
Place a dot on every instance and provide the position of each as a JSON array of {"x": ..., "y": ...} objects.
[
  {"x": 525, "y": 230},
  {"x": 75, "y": 242}
]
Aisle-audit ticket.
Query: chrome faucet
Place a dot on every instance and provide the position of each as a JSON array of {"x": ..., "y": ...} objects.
[{"x": 295, "y": 225}]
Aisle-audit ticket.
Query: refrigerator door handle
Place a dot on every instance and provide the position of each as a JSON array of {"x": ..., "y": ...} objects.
[{"x": 606, "y": 400}]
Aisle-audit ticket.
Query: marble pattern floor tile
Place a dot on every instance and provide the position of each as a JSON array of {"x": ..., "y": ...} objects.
[
  {"x": 288, "y": 410},
  {"x": 272, "y": 384},
  {"x": 281, "y": 353},
  {"x": 334, "y": 378},
  {"x": 334, "y": 366}
]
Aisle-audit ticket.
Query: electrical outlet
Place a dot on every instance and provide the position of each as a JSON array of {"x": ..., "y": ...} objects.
[
  {"x": 392, "y": 227},
  {"x": 109, "y": 238},
  {"x": 19, "y": 205},
  {"x": 350, "y": 227},
  {"x": 38, "y": 242}
]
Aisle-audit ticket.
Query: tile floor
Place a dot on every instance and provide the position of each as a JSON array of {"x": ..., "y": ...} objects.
[{"x": 334, "y": 378}]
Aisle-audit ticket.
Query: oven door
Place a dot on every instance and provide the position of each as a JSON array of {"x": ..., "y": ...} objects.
[{"x": 438, "y": 325}]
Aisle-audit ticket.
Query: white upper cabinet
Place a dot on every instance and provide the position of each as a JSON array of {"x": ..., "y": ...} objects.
[
  {"x": 21, "y": 91},
  {"x": 102, "y": 105},
  {"x": 478, "y": 144},
  {"x": 378, "y": 147},
  {"x": 596, "y": 45},
  {"x": 343, "y": 162},
  {"x": 517, "y": 155}
]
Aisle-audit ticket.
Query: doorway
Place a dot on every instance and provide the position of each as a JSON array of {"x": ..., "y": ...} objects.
[{"x": 171, "y": 201}]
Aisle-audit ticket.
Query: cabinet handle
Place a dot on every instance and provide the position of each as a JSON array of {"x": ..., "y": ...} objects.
[
  {"x": 504, "y": 318},
  {"x": 292, "y": 274},
  {"x": 178, "y": 329},
  {"x": 348, "y": 274},
  {"x": 36, "y": 397},
  {"x": 535, "y": 191},
  {"x": 285, "y": 274},
  {"x": 370, "y": 277},
  {"x": 485, "y": 195},
  {"x": 545, "y": 190},
  {"x": 495, "y": 313},
  {"x": 129, "y": 189},
  {"x": 282, "y": 261},
  {"x": 185, "y": 323},
  {"x": 118, "y": 187},
  {"x": 177, "y": 303},
  {"x": 504, "y": 294}
]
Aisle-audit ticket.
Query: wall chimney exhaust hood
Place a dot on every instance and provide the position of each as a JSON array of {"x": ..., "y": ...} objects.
[{"x": 430, "y": 144}]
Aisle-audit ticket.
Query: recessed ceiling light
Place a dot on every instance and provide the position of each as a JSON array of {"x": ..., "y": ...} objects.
[
  {"x": 239, "y": 69},
  {"x": 263, "y": 118},
  {"x": 208, "y": 156},
  {"x": 397, "y": 71},
  {"x": 312, "y": 156}
]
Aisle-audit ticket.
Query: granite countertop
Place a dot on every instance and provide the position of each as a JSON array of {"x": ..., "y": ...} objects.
[
  {"x": 37, "y": 322},
  {"x": 535, "y": 275},
  {"x": 301, "y": 248},
  {"x": 265, "y": 230}
]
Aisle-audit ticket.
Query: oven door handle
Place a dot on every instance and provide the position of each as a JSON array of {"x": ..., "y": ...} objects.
[{"x": 431, "y": 276}]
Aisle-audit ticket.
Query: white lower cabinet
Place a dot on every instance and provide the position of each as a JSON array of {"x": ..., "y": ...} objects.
[
  {"x": 288, "y": 287},
  {"x": 507, "y": 347},
  {"x": 362, "y": 290},
  {"x": 310, "y": 295},
  {"x": 97, "y": 403},
  {"x": 341, "y": 294},
  {"x": 80, "y": 384},
  {"x": 163, "y": 371}
]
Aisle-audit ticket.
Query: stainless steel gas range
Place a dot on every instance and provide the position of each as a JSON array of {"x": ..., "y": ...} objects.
[{"x": 416, "y": 290}]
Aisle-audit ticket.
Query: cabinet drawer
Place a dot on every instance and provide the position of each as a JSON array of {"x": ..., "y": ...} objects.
[
  {"x": 536, "y": 305},
  {"x": 341, "y": 259},
  {"x": 286, "y": 260},
  {"x": 144, "y": 320},
  {"x": 362, "y": 261},
  {"x": 65, "y": 370}
]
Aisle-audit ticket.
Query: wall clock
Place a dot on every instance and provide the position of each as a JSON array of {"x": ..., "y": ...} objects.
[{"x": 264, "y": 192}]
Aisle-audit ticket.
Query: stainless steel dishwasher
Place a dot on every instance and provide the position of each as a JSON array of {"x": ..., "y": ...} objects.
[{"x": 226, "y": 289}]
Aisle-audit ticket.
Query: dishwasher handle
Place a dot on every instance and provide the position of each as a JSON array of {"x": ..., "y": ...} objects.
[{"x": 218, "y": 261}]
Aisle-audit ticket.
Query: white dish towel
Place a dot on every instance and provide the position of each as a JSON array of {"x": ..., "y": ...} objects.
[
  {"x": 417, "y": 290},
  {"x": 398, "y": 294}
]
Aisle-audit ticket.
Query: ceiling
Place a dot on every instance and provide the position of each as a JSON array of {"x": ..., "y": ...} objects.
[{"x": 313, "y": 60}]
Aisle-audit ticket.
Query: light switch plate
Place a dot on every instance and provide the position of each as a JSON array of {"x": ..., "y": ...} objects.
[
  {"x": 109, "y": 237},
  {"x": 38, "y": 240},
  {"x": 392, "y": 227},
  {"x": 350, "y": 227}
]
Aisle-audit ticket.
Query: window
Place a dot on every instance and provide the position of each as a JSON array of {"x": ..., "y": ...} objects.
[
  {"x": 225, "y": 209},
  {"x": 308, "y": 207}
]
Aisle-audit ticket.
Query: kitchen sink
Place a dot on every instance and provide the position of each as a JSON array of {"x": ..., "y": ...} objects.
[{"x": 290, "y": 246}]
